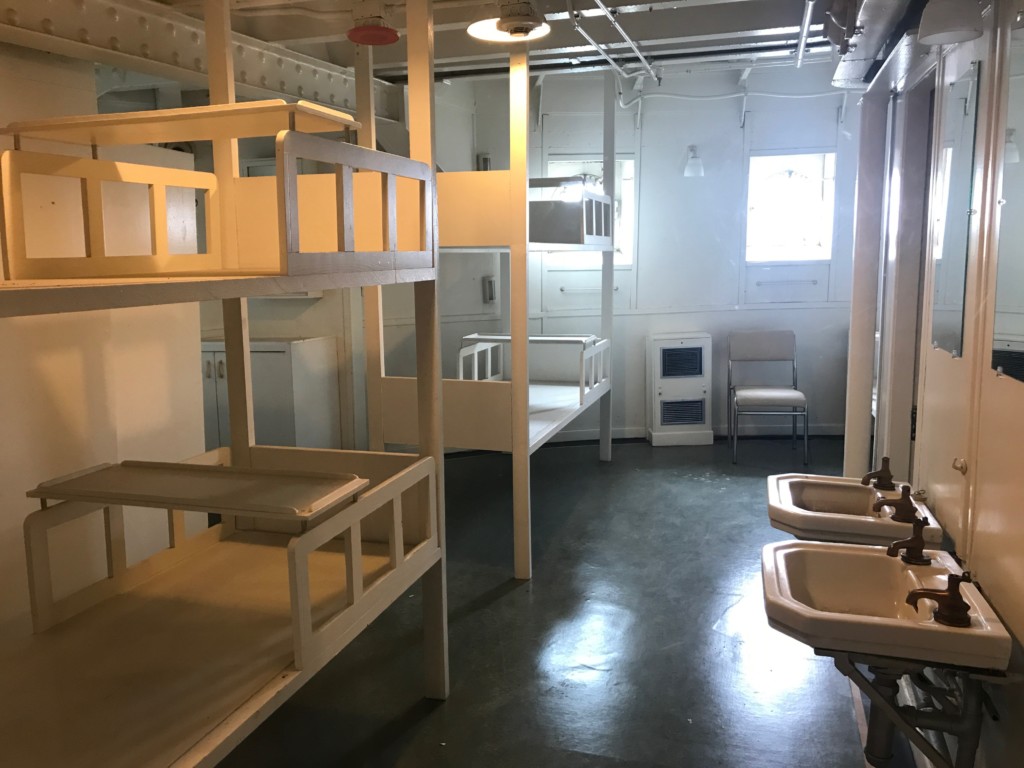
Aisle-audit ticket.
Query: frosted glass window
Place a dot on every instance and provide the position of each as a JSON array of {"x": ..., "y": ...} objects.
[{"x": 790, "y": 207}]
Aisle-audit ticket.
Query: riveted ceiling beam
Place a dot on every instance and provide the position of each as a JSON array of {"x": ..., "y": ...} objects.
[{"x": 148, "y": 37}]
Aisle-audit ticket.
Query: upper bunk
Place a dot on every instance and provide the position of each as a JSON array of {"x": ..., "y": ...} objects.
[
  {"x": 367, "y": 220},
  {"x": 566, "y": 213}
]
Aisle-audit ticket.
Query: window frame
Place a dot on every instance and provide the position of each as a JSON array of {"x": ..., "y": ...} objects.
[{"x": 788, "y": 151}]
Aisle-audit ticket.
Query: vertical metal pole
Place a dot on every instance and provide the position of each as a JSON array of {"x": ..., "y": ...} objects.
[{"x": 878, "y": 743}]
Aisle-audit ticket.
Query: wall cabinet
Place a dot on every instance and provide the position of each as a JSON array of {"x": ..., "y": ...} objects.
[{"x": 294, "y": 392}]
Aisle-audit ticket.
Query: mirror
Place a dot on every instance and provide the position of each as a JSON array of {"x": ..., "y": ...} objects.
[
  {"x": 1008, "y": 341},
  {"x": 954, "y": 182}
]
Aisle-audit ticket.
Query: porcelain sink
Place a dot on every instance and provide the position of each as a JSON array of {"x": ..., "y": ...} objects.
[
  {"x": 847, "y": 597},
  {"x": 825, "y": 508}
]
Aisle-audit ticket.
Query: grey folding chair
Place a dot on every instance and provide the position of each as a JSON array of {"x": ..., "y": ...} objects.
[{"x": 753, "y": 347}]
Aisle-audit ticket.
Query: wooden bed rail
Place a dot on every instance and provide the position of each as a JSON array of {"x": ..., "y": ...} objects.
[
  {"x": 345, "y": 158},
  {"x": 485, "y": 359},
  {"x": 313, "y": 645},
  {"x": 481, "y": 360},
  {"x": 24, "y": 224},
  {"x": 48, "y": 611},
  {"x": 20, "y": 264},
  {"x": 595, "y": 366}
]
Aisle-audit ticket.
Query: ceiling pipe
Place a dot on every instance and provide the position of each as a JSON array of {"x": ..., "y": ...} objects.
[
  {"x": 782, "y": 52},
  {"x": 805, "y": 28},
  {"x": 574, "y": 16},
  {"x": 629, "y": 41}
]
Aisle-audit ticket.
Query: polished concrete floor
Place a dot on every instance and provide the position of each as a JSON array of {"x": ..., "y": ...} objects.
[{"x": 640, "y": 641}]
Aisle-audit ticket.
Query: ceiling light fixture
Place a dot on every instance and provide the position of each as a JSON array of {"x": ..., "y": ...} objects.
[
  {"x": 694, "y": 165},
  {"x": 945, "y": 22},
  {"x": 517, "y": 23},
  {"x": 372, "y": 30}
]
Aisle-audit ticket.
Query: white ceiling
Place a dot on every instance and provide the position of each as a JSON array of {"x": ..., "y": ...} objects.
[{"x": 670, "y": 33}]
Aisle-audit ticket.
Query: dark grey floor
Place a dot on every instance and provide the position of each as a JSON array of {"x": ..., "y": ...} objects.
[{"x": 640, "y": 641}]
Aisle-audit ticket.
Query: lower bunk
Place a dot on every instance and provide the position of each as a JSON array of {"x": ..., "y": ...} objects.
[
  {"x": 568, "y": 374},
  {"x": 174, "y": 660}
]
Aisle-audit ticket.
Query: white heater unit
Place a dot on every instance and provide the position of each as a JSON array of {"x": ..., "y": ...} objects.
[{"x": 679, "y": 372}]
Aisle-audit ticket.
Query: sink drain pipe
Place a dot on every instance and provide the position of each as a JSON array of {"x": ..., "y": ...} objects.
[{"x": 960, "y": 715}]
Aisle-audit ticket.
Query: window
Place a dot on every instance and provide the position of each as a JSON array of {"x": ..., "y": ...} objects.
[{"x": 790, "y": 207}]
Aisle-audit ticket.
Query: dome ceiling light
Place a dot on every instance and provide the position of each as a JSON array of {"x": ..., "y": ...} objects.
[
  {"x": 517, "y": 23},
  {"x": 372, "y": 30}
]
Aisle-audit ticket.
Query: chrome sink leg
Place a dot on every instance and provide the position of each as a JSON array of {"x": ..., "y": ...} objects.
[{"x": 881, "y": 729}]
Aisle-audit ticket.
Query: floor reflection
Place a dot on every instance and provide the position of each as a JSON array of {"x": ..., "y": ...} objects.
[{"x": 584, "y": 662}]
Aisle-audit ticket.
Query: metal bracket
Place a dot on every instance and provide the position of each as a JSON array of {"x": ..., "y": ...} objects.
[{"x": 963, "y": 722}]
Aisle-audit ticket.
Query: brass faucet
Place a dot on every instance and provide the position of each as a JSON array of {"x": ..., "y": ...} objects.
[
  {"x": 903, "y": 508},
  {"x": 952, "y": 610},
  {"x": 914, "y": 546},
  {"x": 882, "y": 477}
]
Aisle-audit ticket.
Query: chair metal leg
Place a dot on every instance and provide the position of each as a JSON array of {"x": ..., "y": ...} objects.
[
  {"x": 807, "y": 452},
  {"x": 792, "y": 439},
  {"x": 735, "y": 433}
]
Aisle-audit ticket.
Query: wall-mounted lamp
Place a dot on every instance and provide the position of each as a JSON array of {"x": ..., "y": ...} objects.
[
  {"x": 694, "y": 165},
  {"x": 517, "y": 23},
  {"x": 1011, "y": 154},
  {"x": 945, "y": 22}
]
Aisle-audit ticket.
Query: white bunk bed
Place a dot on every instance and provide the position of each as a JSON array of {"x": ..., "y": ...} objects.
[
  {"x": 175, "y": 659},
  {"x": 348, "y": 224},
  {"x": 517, "y": 413},
  {"x": 561, "y": 386},
  {"x": 478, "y": 405}
]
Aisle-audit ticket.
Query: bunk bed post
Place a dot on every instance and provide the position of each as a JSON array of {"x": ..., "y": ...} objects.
[
  {"x": 217, "y": 22},
  {"x": 420, "y": 23},
  {"x": 221, "y": 73},
  {"x": 608, "y": 258},
  {"x": 373, "y": 317},
  {"x": 236, "y": 346},
  {"x": 519, "y": 119}
]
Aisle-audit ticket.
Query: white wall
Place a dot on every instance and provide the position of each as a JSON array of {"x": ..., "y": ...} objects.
[
  {"x": 86, "y": 388},
  {"x": 454, "y": 126},
  {"x": 689, "y": 273}
]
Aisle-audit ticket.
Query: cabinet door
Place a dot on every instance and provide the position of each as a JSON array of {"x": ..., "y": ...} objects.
[
  {"x": 210, "y": 418},
  {"x": 273, "y": 398}
]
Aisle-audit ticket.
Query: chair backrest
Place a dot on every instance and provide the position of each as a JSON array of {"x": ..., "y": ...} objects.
[{"x": 764, "y": 346}]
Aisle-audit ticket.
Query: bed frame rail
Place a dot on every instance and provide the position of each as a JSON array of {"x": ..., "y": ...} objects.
[
  {"x": 92, "y": 174},
  {"x": 345, "y": 158},
  {"x": 316, "y": 644},
  {"x": 48, "y": 611}
]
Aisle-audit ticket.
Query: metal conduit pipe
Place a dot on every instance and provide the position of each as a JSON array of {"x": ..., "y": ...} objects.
[
  {"x": 593, "y": 43},
  {"x": 777, "y": 52},
  {"x": 805, "y": 28},
  {"x": 719, "y": 97},
  {"x": 574, "y": 17},
  {"x": 629, "y": 41}
]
